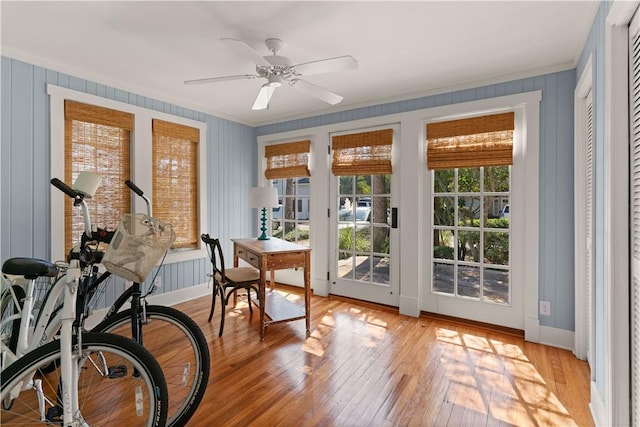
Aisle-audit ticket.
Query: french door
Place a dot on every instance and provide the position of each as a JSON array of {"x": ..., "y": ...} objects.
[{"x": 364, "y": 238}]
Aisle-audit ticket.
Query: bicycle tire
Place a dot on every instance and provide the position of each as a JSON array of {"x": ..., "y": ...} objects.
[
  {"x": 133, "y": 378},
  {"x": 179, "y": 345}
]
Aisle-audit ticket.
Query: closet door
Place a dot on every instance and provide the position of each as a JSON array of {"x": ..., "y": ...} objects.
[{"x": 634, "y": 119}]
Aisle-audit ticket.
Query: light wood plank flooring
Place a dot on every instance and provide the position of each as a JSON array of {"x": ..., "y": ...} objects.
[{"x": 365, "y": 365}]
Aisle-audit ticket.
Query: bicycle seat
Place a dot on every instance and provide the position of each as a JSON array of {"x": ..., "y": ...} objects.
[{"x": 30, "y": 268}]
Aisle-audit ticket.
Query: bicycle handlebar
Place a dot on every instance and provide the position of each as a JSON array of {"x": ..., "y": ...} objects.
[
  {"x": 134, "y": 188},
  {"x": 65, "y": 188}
]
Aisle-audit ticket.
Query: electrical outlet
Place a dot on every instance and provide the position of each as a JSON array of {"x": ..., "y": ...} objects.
[
  {"x": 158, "y": 282},
  {"x": 545, "y": 308}
]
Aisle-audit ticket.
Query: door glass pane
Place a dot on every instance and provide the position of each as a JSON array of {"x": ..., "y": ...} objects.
[
  {"x": 364, "y": 208},
  {"x": 290, "y": 219},
  {"x": 444, "y": 210},
  {"x": 469, "y": 211},
  {"x": 443, "y": 244},
  {"x": 443, "y": 277},
  {"x": 469, "y": 281},
  {"x": 345, "y": 265},
  {"x": 496, "y": 285},
  {"x": 471, "y": 237},
  {"x": 363, "y": 268},
  {"x": 443, "y": 181},
  {"x": 469, "y": 180}
]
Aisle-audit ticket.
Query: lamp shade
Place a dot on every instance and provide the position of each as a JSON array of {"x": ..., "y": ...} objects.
[{"x": 263, "y": 197}]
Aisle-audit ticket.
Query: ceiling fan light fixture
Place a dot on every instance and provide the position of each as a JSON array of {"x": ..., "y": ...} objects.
[{"x": 275, "y": 81}]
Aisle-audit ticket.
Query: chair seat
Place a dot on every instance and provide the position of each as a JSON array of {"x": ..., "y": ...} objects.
[{"x": 240, "y": 274}]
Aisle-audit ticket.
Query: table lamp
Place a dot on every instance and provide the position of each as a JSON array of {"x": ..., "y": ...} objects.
[{"x": 263, "y": 198}]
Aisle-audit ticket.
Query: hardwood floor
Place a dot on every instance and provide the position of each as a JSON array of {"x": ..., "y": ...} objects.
[{"x": 365, "y": 365}]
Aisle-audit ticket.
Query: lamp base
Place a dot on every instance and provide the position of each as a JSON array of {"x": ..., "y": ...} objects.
[{"x": 264, "y": 236}]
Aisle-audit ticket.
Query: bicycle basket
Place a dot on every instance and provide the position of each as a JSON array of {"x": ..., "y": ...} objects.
[{"x": 136, "y": 247}]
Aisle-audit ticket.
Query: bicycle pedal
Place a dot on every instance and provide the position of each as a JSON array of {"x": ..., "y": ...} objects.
[{"x": 118, "y": 371}]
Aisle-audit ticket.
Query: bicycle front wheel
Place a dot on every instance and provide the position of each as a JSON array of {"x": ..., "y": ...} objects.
[
  {"x": 119, "y": 383},
  {"x": 180, "y": 347}
]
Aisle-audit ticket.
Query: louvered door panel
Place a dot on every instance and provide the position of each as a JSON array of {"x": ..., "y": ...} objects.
[
  {"x": 634, "y": 120},
  {"x": 589, "y": 218}
]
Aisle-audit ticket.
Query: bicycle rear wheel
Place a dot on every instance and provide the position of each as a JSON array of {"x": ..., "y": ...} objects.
[
  {"x": 180, "y": 348},
  {"x": 119, "y": 383}
]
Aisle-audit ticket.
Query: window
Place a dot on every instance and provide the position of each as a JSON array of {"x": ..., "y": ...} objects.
[
  {"x": 137, "y": 136},
  {"x": 471, "y": 176},
  {"x": 288, "y": 168},
  {"x": 97, "y": 140},
  {"x": 175, "y": 180}
]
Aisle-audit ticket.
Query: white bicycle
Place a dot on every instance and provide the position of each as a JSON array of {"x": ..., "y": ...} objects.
[{"x": 78, "y": 379}]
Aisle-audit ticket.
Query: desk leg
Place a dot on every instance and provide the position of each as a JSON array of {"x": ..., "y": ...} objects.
[
  {"x": 307, "y": 291},
  {"x": 261, "y": 294}
]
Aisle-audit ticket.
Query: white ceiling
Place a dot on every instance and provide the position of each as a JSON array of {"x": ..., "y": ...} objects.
[{"x": 404, "y": 49}]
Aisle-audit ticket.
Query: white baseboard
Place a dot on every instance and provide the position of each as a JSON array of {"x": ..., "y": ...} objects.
[
  {"x": 556, "y": 337},
  {"x": 168, "y": 299}
]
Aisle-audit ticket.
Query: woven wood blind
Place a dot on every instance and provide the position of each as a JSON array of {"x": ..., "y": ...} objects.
[
  {"x": 464, "y": 143},
  {"x": 175, "y": 180},
  {"x": 366, "y": 153},
  {"x": 288, "y": 160},
  {"x": 97, "y": 140}
]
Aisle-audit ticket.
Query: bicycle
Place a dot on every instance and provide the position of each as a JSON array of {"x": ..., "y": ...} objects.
[
  {"x": 187, "y": 370},
  {"x": 67, "y": 380}
]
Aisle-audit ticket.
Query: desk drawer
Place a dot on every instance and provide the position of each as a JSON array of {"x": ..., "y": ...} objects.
[
  {"x": 248, "y": 256},
  {"x": 286, "y": 260}
]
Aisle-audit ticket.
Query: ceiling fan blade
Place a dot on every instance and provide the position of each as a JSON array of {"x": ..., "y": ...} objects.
[
  {"x": 263, "y": 98},
  {"x": 221, "y": 79},
  {"x": 330, "y": 65},
  {"x": 316, "y": 91},
  {"x": 244, "y": 49}
]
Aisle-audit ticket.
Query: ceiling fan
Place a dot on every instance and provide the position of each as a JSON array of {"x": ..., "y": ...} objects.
[{"x": 278, "y": 70}]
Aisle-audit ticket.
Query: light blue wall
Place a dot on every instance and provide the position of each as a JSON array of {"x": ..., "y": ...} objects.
[
  {"x": 595, "y": 47},
  {"x": 25, "y": 168},
  {"x": 556, "y": 172}
]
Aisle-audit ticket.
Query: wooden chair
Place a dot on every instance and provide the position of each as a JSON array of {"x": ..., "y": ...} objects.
[{"x": 226, "y": 282}]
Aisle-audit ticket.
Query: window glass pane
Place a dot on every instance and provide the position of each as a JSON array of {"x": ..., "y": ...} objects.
[
  {"x": 496, "y": 248},
  {"x": 469, "y": 281},
  {"x": 469, "y": 211},
  {"x": 469, "y": 246},
  {"x": 496, "y": 285},
  {"x": 496, "y": 178},
  {"x": 469, "y": 180},
  {"x": 443, "y": 244},
  {"x": 443, "y": 181},
  {"x": 444, "y": 210},
  {"x": 443, "y": 277}
]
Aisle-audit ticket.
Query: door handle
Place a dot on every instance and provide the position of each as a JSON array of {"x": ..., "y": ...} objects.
[{"x": 394, "y": 217}]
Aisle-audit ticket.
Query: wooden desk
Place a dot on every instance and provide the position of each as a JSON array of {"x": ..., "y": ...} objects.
[{"x": 270, "y": 255}]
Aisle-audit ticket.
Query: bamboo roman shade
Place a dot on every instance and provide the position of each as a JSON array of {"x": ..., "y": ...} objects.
[
  {"x": 366, "y": 153},
  {"x": 175, "y": 179},
  {"x": 97, "y": 140},
  {"x": 288, "y": 160},
  {"x": 473, "y": 142}
]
